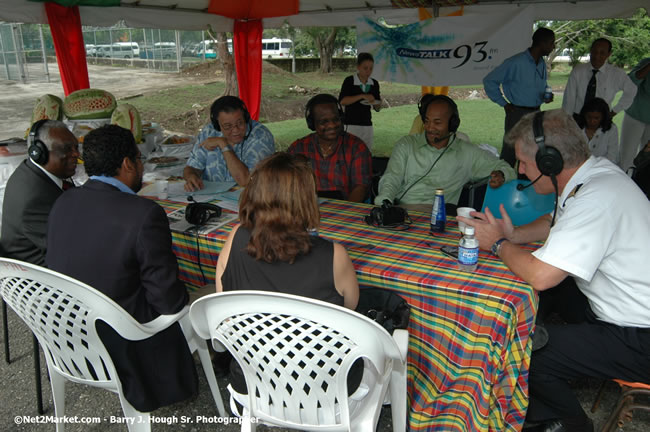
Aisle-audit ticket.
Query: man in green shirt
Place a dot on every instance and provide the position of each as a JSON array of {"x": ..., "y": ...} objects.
[{"x": 437, "y": 158}]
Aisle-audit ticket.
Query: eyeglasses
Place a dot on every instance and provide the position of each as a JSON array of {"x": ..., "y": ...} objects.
[{"x": 228, "y": 127}]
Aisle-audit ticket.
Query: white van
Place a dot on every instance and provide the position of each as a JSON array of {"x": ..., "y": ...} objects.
[
  {"x": 124, "y": 50},
  {"x": 165, "y": 50}
]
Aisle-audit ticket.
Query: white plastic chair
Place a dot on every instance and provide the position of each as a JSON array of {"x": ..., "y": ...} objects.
[
  {"x": 62, "y": 312},
  {"x": 295, "y": 354}
]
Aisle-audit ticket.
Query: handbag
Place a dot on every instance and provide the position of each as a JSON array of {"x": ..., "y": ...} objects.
[{"x": 384, "y": 307}]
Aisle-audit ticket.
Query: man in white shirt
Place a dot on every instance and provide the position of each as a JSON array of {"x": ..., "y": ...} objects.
[
  {"x": 603, "y": 79},
  {"x": 600, "y": 237}
]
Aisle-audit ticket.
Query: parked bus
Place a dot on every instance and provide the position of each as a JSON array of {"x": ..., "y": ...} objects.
[
  {"x": 271, "y": 48},
  {"x": 276, "y": 48},
  {"x": 207, "y": 47}
]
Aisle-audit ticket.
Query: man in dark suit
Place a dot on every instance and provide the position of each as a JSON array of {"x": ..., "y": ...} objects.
[
  {"x": 104, "y": 235},
  {"x": 32, "y": 189}
]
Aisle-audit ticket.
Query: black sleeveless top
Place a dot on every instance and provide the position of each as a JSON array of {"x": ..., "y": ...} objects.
[{"x": 310, "y": 275}]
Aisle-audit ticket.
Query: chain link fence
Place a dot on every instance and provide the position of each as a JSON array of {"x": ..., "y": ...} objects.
[
  {"x": 23, "y": 52},
  {"x": 26, "y": 49}
]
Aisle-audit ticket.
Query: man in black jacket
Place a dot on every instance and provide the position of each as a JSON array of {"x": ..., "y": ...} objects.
[
  {"x": 106, "y": 236},
  {"x": 33, "y": 188}
]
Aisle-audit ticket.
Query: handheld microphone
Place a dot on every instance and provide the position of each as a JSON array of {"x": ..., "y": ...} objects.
[
  {"x": 521, "y": 187},
  {"x": 437, "y": 140}
]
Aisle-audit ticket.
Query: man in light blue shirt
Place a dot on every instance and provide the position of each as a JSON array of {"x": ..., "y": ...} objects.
[
  {"x": 519, "y": 83},
  {"x": 229, "y": 147}
]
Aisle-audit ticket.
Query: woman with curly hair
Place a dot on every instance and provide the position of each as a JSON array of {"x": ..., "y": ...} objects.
[{"x": 601, "y": 133}]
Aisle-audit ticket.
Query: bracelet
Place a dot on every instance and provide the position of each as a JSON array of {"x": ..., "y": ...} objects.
[{"x": 227, "y": 148}]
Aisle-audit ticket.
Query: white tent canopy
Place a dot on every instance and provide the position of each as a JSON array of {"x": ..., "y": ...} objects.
[{"x": 193, "y": 15}]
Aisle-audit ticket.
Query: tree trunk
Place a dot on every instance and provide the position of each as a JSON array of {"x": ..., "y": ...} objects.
[
  {"x": 228, "y": 64},
  {"x": 326, "y": 50}
]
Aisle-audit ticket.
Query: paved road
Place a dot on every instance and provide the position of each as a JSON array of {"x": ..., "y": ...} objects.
[{"x": 17, "y": 398}]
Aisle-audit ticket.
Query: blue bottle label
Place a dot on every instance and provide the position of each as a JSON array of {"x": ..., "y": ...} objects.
[
  {"x": 438, "y": 214},
  {"x": 467, "y": 256}
]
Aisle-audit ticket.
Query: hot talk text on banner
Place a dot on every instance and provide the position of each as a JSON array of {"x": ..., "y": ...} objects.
[{"x": 445, "y": 51}]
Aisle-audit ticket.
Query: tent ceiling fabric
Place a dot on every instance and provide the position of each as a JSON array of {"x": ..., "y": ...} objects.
[{"x": 193, "y": 14}]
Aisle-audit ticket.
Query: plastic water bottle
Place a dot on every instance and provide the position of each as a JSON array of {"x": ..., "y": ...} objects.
[
  {"x": 468, "y": 251},
  {"x": 548, "y": 94},
  {"x": 438, "y": 213}
]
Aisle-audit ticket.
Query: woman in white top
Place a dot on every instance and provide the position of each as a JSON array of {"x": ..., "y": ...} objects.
[{"x": 601, "y": 132}]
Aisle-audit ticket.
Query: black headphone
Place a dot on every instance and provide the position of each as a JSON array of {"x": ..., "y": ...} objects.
[
  {"x": 227, "y": 103},
  {"x": 38, "y": 151},
  {"x": 549, "y": 160},
  {"x": 321, "y": 99},
  {"x": 428, "y": 98},
  {"x": 199, "y": 213},
  {"x": 388, "y": 216}
]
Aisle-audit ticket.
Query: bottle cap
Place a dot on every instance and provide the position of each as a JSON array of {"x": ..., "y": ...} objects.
[{"x": 469, "y": 230}]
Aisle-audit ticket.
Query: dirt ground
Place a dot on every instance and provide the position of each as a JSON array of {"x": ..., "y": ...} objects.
[{"x": 17, "y": 99}]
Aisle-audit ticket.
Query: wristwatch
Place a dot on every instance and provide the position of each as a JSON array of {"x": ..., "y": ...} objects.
[
  {"x": 496, "y": 247},
  {"x": 227, "y": 148}
]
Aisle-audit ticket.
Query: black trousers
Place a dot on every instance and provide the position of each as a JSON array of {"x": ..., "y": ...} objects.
[
  {"x": 590, "y": 348},
  {"x": 508, "y": 152}
]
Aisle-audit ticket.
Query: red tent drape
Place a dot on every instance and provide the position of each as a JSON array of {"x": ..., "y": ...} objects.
[
  {"x": 65, "y": 25},
  {"x": 248, "y": 59},
  {"x": 254, "y": 9}
]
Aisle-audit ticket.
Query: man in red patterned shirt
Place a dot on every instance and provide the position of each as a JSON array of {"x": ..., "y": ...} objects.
[{"x": 341, "y": 161}]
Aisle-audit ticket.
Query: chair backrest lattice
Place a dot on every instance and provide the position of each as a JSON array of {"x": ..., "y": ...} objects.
[
  {"x": 58, "y": 311},
  {"x": 296, "y": 353},
  {"x": 297, "y": 358}
]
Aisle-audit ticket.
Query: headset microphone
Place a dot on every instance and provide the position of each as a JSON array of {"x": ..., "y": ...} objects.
[
  {"x": 521, "y": 187},
  {"x": 442, "y": 138}
]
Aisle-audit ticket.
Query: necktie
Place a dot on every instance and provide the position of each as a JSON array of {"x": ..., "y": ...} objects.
[
  {"x": 591, "y": 87},
  {"x": 67, "y": 185}
]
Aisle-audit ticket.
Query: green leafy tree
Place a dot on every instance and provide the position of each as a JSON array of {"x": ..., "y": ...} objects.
[
  {"x": 324, "y": 39},
  {"x": 346, "y": 36},
  {"x": 629, "y": 37}
]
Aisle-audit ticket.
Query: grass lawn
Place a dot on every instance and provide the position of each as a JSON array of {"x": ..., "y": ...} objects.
[{"x": 481, "y": 119}]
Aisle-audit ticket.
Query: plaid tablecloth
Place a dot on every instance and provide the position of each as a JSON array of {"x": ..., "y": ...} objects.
[{"x": 469, "y": 348}]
